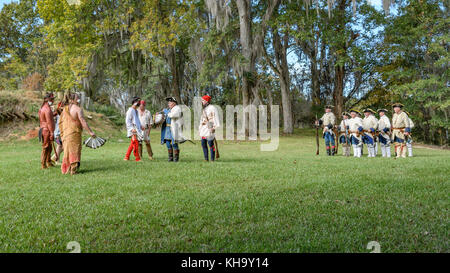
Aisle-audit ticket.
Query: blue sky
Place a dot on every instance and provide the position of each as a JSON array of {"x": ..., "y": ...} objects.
[{"x": 2, "y": 2}]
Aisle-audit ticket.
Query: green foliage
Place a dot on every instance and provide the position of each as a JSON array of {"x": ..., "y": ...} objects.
[
  {"x": 111, "y": 113},
  {"x": 417, "y": 66}
]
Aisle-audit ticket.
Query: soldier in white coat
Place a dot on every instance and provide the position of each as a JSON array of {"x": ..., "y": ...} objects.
[
  {"x": 209, "y": 122},
  {"x": 328, "y": 120},
  {"x": 370, "y": 124},
  {"x": 344, "y": 134},
  {"x": 409, "y": 139},
  {"x": 384, "y": 128},
  {"x": 171, "y": 129},
  {"x": 400, "y": 129},
  {"x": 355, "y": 129}
]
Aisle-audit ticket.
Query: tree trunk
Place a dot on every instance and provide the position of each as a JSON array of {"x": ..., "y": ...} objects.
[
  {"x": 315, "y": 86},
  {"x": 283, "y": 73},
  {"x": 245, "y": 32},
  {"x": 172, "y": 59},
  {"x": 338, "y": 94}
]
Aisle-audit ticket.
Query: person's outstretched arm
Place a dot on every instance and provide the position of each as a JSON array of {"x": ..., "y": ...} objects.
[{"x": 84, "y": 123}]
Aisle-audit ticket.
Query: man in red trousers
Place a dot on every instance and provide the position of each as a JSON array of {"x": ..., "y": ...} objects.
[{"x": 134, "y": 129}]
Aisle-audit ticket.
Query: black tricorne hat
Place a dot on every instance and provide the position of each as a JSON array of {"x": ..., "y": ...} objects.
[{"x": 173, "y": 99}]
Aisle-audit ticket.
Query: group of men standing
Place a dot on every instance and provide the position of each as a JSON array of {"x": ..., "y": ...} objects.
[
  {"x": 139, "y": 122},
  {"x": 352, "y": 132},
  {"x": 355, "y": 131},
  {"x": 63, "y": 126}
]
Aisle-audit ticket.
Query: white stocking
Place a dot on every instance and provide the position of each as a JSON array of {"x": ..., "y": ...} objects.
[
  {"x": 383, "y": 150},
  {"x": 409, "y": 145}
]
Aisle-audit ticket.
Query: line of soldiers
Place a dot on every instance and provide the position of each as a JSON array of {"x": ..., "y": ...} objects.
[{"x": 355, "y": 131}]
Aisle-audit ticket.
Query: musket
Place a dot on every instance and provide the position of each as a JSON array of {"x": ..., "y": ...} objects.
[
  {"x": 337, "y": 139},
  {"x": 217, "y": 148},
  {"x": 317, "y": 135},
  {"x": 346, "y": 133}
]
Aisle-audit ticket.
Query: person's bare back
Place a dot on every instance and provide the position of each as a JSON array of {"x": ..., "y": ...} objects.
[{"x": 76, "y": 112}]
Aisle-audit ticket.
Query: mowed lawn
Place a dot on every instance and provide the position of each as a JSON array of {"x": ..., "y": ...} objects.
[{"x": 249, "y": 201}]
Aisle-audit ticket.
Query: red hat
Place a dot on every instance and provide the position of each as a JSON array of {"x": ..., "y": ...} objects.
[
  {"x": 207, "y": 98},
  {"x": 142, "y": 102}
]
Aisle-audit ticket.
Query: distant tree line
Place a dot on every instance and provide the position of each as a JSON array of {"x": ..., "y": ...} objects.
[{"x": 300, "y": 55}]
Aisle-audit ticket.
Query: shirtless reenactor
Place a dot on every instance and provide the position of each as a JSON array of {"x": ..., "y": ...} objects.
[
  {"x": 71, "y": 125},
  {"x": 46, "y": 129}
]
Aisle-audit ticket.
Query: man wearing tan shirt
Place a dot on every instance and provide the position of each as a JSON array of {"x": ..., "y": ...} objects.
[
  {"x": 401, "y": 129},
  {"x": 327, "y": 121}
]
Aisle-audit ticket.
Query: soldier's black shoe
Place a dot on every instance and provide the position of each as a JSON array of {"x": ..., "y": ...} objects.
[
  {"x": 176, "y": 155},
  {"x": 328, "y": 152},
  {"x": 333, "y": 151},
  {"x": 170, "y": 151}
]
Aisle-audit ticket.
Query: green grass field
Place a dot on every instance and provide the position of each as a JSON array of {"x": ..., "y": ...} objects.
[{"x": 250, "y": 201}]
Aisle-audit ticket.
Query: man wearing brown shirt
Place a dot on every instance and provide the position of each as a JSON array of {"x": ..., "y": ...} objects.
[{"x": 47, "y": 127}]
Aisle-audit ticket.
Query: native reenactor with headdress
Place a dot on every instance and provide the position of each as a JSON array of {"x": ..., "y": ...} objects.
[
  {"x": 408, "y": 138},
  {"x": 145, "y": 117},
  {"x": 384, "y": 127},
  {"x": 46, "y": 130},
  {"x": 356, "y": 131},
  {"x": 370, "y": 124},
  {"x": 171, "y": 129},
  {"x": 327, "y": 121},
  {"x": 209, "y": 122},
  {"x": 134, "y": 129},
  {"x": 401, "y": 129},
  {"x": 344, "y": 134}
]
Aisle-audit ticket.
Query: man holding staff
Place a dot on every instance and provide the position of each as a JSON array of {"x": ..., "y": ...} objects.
[{"x": 327, "y": 121}]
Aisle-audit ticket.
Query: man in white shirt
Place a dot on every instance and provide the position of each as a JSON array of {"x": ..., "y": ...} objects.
[
  {"x": 327, "y": 121},
  {"x": 384, "y": 128},
  {"x": 145, "y": 117},
  {"x": 134, "y": 129},
  {"x": 355, "y": 129},
  {"x": 209, "y": 122},
  {"x": 370, "y": 124},
  {"x": 344, "y": 137}
]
